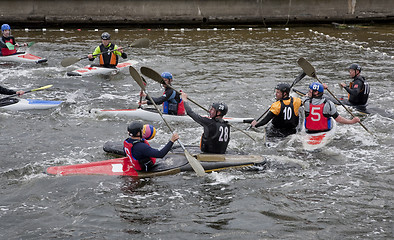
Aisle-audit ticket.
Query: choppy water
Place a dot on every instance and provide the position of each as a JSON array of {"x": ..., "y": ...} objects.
[{"x": 342, "y": 192}]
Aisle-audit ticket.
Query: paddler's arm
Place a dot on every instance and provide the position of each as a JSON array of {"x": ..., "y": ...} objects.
[
  {"x": 204, "y": 121},
  {"x": 151, "y": 152},
  {"x": 270, "y": 115},
  {"x": 120, "y": 52},
  {"x": 96, "y": 51},
  {"x": 343, "y": 120},
  {"x": 355, "y": 91},
  {"x": 161, "y": 99},
  {"x": 7, "y": 91},
  {"x": 2, "y": 44}
]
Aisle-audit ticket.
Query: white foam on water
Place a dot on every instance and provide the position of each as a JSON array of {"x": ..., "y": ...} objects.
[{"x": 222, "y": 177}]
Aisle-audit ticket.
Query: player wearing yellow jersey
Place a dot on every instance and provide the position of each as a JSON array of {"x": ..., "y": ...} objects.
[{"x": 284, "y": 113}]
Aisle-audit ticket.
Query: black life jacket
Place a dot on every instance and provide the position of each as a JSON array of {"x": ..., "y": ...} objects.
[
  {"x": 286, "y": 118},
  {"x": 217, "y": 141}
]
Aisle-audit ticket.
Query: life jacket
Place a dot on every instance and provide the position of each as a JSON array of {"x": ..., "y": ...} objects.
[
  {"x": 217, "y": 143},
  {"x": 362, "y": 97},
  {"x": 316, "y": 121},
  {"x": 172, "y": 106},
  {"x": 5, "y": 51},
  {"x": 141, "y": 164},
  {"x": 286, "y": 118},
  {"x": 109, "y": 59}
]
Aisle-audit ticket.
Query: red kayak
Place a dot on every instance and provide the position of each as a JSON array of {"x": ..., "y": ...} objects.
[{"x": 171, "y": 164}]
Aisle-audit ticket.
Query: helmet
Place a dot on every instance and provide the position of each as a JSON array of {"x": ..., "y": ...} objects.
[
  {"x": 166, "y": 75},
  {"x": 5, "y": 27},
  {"x": 105, "y": 36},
  {"x": 148, "y": 132},
  {"x": 134, "y": 128},
  {"x": 283, "y": 87},
  {"x": 355, "y": 67},
  {"x": 316, "y": 86},
  {"x": 222, "y": 107}
]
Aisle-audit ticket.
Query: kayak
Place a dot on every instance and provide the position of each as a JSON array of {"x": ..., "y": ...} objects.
[
  {"x": 15, "y": 104},
  {"x": 313, "y": 141},
  {"x": 172, "y": 163},
  {"x": 151, "y": 114},
  {"x": 98, "y": 70},
  {"x": 22, "y": 57}
]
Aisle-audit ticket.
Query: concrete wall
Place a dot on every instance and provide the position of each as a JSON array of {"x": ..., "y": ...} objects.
[{"x": 199, "y": 12}]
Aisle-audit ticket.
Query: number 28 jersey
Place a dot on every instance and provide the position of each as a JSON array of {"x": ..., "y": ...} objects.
[{"x": 216, "y": 139}]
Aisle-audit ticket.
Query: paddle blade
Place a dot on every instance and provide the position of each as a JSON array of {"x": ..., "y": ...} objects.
[
  {"x": 41, "y": 88},
  {"x": 10, "y": 46},
  {"x": 137, "y": 77},
  {"x": 152, "y": 74},
  {"x": 69, "y": 61},
  {"x": 196, "y": 165},
  {"x": 143, "y": 42},
  {"x": 307, "y": 67}
]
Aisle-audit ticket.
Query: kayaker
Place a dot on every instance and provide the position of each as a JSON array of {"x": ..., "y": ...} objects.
[
  {"x": 284, "y": 113},
  {"x": 111, "y": 52},
  {"x": 7, "y": 91},
  {"x": 171, "y": 100},
  {"x": 7, "y": 38},
  {"x": 358, "y": 90},
  {"x": 138, "y": 150},
  {"x": 319, "y": 111},
  {"x": 216, "y": 135}
]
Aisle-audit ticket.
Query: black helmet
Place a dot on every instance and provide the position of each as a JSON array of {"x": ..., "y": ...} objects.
[
  {"x": 222, "y": 107},
  {"x": 134, "y": 128},
  {"x": 105, "y": 36},
  {"x": 283, "y": 87},
  {"x": 355, "y": 67}
]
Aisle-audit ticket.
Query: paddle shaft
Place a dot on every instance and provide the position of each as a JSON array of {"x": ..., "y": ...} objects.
[{"x": 28, "y": 91}]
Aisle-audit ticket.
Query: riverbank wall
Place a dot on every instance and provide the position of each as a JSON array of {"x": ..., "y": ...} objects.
[{"x": 39, "y": 13}]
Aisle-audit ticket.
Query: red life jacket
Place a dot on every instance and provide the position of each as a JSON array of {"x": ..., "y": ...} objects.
[
  {"x": 181, "y": 108},
  {"x": 128, "y": 150},
  {"x": 316, "y": 121},
  {"x": 5, "y": 51}
]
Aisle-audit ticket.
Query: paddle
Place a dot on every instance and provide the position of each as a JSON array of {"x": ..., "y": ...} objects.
[
  {"x": 310, "y": 71},
  {"x": 196, "y": 165},
  {"x": 32, "y": 90},
  {"x": 142, "y": 91},
  {"x": 139, "y": 43},
  {"x": 157, "y": 77},
  {"x": 298, "y": 78},
  {"x": 10, "y": 46}
]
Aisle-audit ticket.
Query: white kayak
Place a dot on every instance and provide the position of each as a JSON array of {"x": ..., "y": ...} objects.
[
  {"x": 97, "y": 70},
  {"x": 313, "y": 141},
  {"x": 22, "y": 57},
  {"x": 15, "y": 104},
  {"x": 153, "y": 115}
]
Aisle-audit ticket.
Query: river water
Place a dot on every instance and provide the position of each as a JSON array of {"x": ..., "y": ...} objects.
[{"x": 344, "y": 191}]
